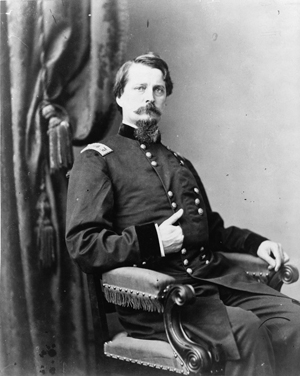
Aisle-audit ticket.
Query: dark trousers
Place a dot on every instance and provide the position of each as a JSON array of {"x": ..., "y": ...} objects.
[{"x": 267, "y": 331}]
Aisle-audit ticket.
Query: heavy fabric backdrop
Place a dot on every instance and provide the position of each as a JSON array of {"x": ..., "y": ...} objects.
[{"x": 58, "y": 62}]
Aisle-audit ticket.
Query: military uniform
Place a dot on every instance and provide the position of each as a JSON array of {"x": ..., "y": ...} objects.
[{"x": 118, "y": 192}]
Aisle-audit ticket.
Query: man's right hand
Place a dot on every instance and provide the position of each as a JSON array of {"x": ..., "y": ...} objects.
[{"x": 171, "y": 236}]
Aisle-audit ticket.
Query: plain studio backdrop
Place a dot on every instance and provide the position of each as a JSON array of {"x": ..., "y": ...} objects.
[{"x": 235, "y": 109}]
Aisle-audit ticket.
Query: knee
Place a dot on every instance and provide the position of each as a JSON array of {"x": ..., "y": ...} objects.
[
  {"x": 284, "y": 321},
  {"x": 285, "y": 330},
  {"x": 250, "y": 333},
  {"x": 249, "y": 323}
]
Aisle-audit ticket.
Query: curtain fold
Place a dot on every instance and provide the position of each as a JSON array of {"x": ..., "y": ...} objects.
[{"x": 59, "y": 61}]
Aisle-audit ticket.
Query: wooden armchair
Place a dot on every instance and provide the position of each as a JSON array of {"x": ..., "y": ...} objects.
[{"x": 152, "y": 291}]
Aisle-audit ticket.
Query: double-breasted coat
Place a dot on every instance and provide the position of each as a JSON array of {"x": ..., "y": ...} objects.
[{"x": 119, "y": 190}]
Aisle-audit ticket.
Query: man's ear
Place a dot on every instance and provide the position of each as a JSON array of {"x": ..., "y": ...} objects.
[{"x": 119, "y": 101}]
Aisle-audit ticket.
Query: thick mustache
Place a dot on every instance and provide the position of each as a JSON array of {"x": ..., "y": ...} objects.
[{"x": 148, "y": 109}]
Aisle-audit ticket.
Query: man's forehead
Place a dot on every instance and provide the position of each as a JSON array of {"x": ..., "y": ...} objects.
[{"x": 140, "y": 73}]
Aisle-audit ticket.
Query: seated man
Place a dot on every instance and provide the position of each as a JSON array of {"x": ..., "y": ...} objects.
[{"x": 133, "y": 201}]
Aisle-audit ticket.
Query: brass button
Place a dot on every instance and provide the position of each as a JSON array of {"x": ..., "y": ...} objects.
[
  {"x": 185, "y": 262},
  {"x": 203, "y": 257},
  {"x": 183, "y": 251},
  {"x": 174, "y": 205},
  {"x": 153, "y": 163},
  {"x": 200, "y": 211},
  {"x": 176, "y": 155},
  {"x": 143, "y": 146},
  {"x": 201, "y": 249},
  {"x": 197, "y": 201},
  {"x": 207, "y": 262},
  {"x": 148, "y": 154},
  {"x": 196, "y": 190},
  {"x": 170, "y": 194},
  {"x": 189, "y": 270},
  {"x": 182, "y": 163}
]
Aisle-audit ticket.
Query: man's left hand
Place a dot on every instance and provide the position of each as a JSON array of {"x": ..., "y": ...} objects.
[{"x": 273, "y": 254}]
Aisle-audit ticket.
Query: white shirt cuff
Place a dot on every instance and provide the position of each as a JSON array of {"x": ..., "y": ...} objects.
[{"x": 162, "y": 251}]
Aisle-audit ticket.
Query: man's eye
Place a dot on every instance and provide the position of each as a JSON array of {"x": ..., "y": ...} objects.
[
  {"x": 160, "y": 91},
  {"x": 140, "y": 88}
]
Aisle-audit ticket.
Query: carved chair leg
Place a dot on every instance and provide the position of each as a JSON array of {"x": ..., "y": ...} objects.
[{"x": 197, "y": 358}]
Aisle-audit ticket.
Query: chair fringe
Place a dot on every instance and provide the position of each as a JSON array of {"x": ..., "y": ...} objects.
[{"x": 132, "y": 298}]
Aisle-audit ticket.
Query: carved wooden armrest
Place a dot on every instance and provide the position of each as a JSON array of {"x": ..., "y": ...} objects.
[
  {"x": 286, "y": 274},
  {"x": 195, "y": 357},
  {"x": 153, "y": 291},
  {"x": 258, "y": 269},
  {"x": 135, "y": 287}
]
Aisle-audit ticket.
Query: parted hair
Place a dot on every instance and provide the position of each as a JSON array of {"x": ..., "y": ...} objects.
[{"x": 150, "y": 59}]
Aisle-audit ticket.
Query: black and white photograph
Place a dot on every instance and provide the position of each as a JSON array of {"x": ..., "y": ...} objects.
[{"x": 150, "y": 187}]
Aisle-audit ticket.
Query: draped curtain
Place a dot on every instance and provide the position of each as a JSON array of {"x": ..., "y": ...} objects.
[{"x": 58, "y": 62}]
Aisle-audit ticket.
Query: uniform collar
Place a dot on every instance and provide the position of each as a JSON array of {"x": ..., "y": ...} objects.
[{"x": 126, "y": 131}]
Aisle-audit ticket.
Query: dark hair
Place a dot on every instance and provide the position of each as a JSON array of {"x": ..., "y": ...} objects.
[{"x": 151, "y": 60}]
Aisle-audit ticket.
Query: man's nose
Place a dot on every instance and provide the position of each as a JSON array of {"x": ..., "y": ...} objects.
[{"x": 149, "y": 97}]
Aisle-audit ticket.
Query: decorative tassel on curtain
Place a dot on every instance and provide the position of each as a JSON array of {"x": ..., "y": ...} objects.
[
  {"x": 59, "y": 135},
  {"x": 60, "y": 155},
  {"x": 44, "y": 231}
]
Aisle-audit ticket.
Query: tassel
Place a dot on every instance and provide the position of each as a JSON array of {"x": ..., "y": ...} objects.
[
  {"x": 60, "y": 136},
  {"x": 45, "y": 232},
  {"x": 132, "y": 298},
  {"x": 64, "y": 138},
  {"x": 46, "y": 240},
  {"x": 53, "y": 151}
]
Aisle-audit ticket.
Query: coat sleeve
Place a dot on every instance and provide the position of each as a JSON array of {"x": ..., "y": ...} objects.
[
  {"x": 229, "y": 239},
  {"x": 90, "y": 236}
]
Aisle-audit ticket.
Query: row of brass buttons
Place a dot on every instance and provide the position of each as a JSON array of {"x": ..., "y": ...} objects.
[
  {"x": 148, "y": 155},
  {"x": 197, "y": 201},
  {"x": 181, "y": 161},
  {"x": 186, "y": 261}
]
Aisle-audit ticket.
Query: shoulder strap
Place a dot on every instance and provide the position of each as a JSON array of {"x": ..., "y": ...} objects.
[{"x": 100, "y": 148}]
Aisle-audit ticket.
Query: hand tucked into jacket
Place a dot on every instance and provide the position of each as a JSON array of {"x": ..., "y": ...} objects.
[
  {"x": 170, "y": 235},
  {"x": 273, "y": 254}
]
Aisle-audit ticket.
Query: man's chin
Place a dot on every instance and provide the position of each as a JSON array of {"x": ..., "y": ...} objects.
[
  {"x": 147, "y": 123},
  {"x": 147, "y": 131}
]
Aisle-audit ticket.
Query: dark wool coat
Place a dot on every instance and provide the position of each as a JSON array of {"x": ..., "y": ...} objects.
[{"x": 118, "y": 191}]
